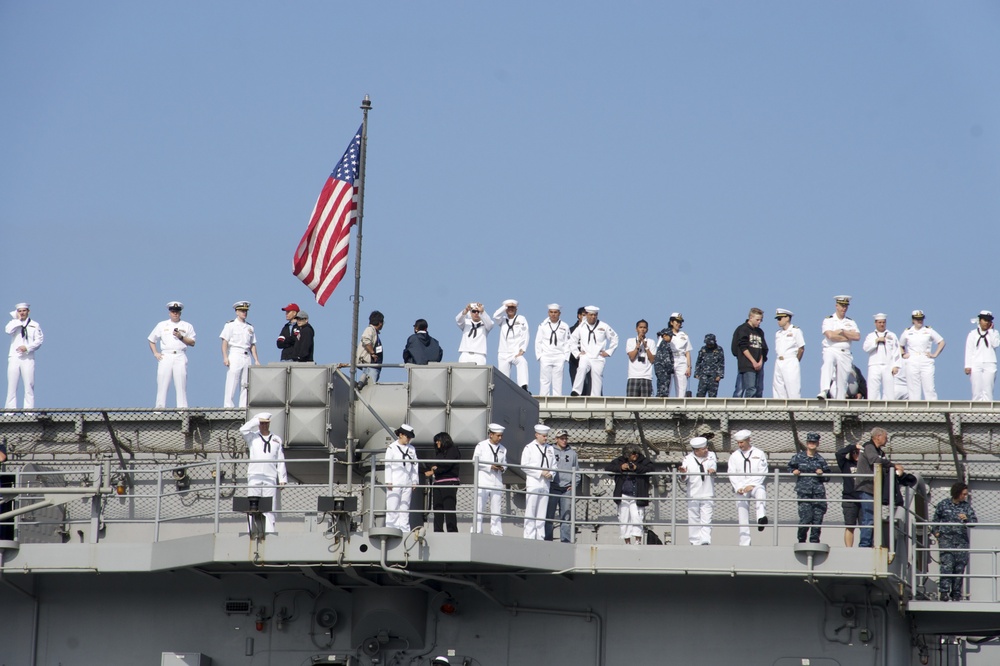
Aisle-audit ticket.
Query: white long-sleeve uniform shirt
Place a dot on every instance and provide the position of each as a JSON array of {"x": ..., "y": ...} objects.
[
  {"x": 473, "y": 333},
  {"x": 267, "y": 458},
  {"x": 552, "y": 341},
  {"x": 23, "y": 334},
  {"x": 537, "y": 455},
  {"x": 747, "y": 468},
  {"x": 401, "y": 468},
  {"x": 882, "y": 349},
  {"x": 981, "y": 347},
  {"x": 593, "y": 340},
  {"x": 490, "y": 454},
  {"x": 514, "y": 334},
  {"x": 700, "y": 484}
]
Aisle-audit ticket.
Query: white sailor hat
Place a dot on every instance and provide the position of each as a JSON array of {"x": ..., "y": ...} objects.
[
  {"x": 742, "y": 435},
  {"x": 782, "y": 312},
  {"x": 880, "y": 315},
  {"x": 699, "y": 443},
  {"x": 440, "y": 660},
  {"x": 406, "y": 429},
  {"x": 917, "y": 314},
  {"x": 175, "y": 305},
  {"x": 983, "y": 314},
  {"x": 263, "y": 416},
  {"x": 554, "y": 306},
  {"x": 496, "y": 427},
  {"x": 842, "y": 299},
  {"x": 241, "y": 305},
  {"x": 542, "y": 429},
  {"x": 592, "y": 308},
  {"x": 23, "y": 306},
  {"x": 510, "y": 302},
  {"x": 677, "y": 315}
]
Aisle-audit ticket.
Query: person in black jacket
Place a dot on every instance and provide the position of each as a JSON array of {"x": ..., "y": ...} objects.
[
  {"x": 444, "y": 476},
  {"x": 304, "y": 335},
  {"x": 421, "y": 348},
  {"x": 286, "y": 339},
  {"x": 847, "y": 462},
  {"x": 631, "y": 490},
  {"x": 749, "y": 346}
]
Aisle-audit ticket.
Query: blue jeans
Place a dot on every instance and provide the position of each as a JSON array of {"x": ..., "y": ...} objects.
[
  {"x": 560, "y": 500},
  {"x": 867, "y": 519},
  {"x": 749, "y": 381},
  {"x": 758, "y": 392}
]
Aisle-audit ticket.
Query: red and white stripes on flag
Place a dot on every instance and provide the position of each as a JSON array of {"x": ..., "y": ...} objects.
[{"x": 321, "y": 258}]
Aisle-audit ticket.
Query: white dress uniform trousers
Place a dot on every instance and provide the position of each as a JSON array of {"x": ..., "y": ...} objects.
[
  {"x": 241, "y": 337},
  {"x": 173, "y": 364},
  {"x": 837, "y": 359},
  {"x": 587, "y": 343},
  {"x": 552, "y": 352},
  {"x": 535, "y": 459},
  {"x": 472, "y": 348},
  {"x": 490, "y": 483},
  {"x": 981, "y": 358},
  {"x": 748, "y": 468},
  {"x": 401, "y": 475},
  {"x": 883, "y": 356},
  {"x": 919, "y": 345},
  {"x": 513, "y": 345},
  {"x": 787, "y": 381},
  {"x": 681, "y": 344},
  {"x": 700, "y": 491},
  {"x": 266, "y": 469},
  {"x": 21, "y": 365}
]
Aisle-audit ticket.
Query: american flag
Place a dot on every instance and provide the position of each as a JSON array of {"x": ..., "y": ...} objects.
[{"x": 321, "y": 258}]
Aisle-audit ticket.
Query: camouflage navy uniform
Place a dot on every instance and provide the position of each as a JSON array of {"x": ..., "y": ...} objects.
[
  {"x": 663, "y": 366},
  {"x": 809, "y": 489},
  {"x": 711, "y": 363},
  {"x": 953, "y": 562}
]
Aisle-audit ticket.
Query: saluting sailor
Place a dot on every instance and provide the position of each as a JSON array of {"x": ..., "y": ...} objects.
[
  {"x": 491, "y": 461},
  {"x": 789, "y": 345},
  {"x": 884, "y": 360},
  {"x": 839, "y": 331},
  {"x": 514, "y": 337},
  {"x": 174, "y": 336},
  {"x": 472, "y": 348},
  {"x": 239, "y": 352},
  {"x": 537, "y": 460},
  {"x": 592, "y": 342},
  {"x": 917, "y": 344},
  {"x": 401, "y": 475},
  {"x": 266, "y": 470},
  {"x": 25, "y": 337},
  {"x": 552, "y": 351},
  {"x": 981, "y": 356}
]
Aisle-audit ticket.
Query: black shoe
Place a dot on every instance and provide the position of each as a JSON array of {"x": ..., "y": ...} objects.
[
  {"x": 574, "y": 394},
  {"x": 525, "y": 387},
  {"x": 760, "y": 523}
]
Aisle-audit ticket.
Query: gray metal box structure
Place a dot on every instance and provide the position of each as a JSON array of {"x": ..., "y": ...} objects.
[{"x": 184, "y": 659}]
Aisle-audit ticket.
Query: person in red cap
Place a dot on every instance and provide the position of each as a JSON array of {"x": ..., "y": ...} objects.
[{"x": 287, "y": 338}]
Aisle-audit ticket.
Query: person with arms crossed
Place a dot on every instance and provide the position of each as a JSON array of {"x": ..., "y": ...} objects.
[{"x": 839, "y": 331}]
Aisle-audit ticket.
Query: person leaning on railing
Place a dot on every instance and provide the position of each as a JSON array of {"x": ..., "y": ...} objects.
[{"x": 870, "y": 458}]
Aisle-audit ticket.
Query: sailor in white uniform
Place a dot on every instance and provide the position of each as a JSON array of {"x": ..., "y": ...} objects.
[
  {"x": 680, "y": 344},
  {"x": 472, "y": 348},
  {"x": 552, "y": 351},
  {"x": 917, "y": 344},
  {"x": 747, "y": 473},
  {"x": 789, "y": 345},
  {"x": 839, "y": 331},
  {"x": 174, "y": 336},
  {"x": 239, "y": 352},
  {"x": 266, "y": 470},
  {"x": 699, "y": 468},
  {"x": 592, "y": 342},
  {"x": 491, "y": 462},
  {"x": 537, "y": 460},
  {"x": 514, "y": 338},
  {"x": 981, "y": 356},
  {"x": 884, "y": 360},
  {"x": 401, "y": 475},
  {"x": 25, "y": 338}
]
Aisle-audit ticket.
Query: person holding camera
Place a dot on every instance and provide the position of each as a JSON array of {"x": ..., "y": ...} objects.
[
  {"x": 641, "y": 353},
  {"x": 631, "y": 471},
  {"x": 174, "y": 337}
]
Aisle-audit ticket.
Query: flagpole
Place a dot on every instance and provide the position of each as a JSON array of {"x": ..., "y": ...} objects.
[{"x": 366, "y": 105}]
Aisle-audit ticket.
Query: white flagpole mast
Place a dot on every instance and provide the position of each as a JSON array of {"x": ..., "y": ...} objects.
[{"x": 366, "y": 105}]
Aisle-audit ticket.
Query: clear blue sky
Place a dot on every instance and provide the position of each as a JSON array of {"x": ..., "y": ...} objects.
[{"x": 643, "y": 157}]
